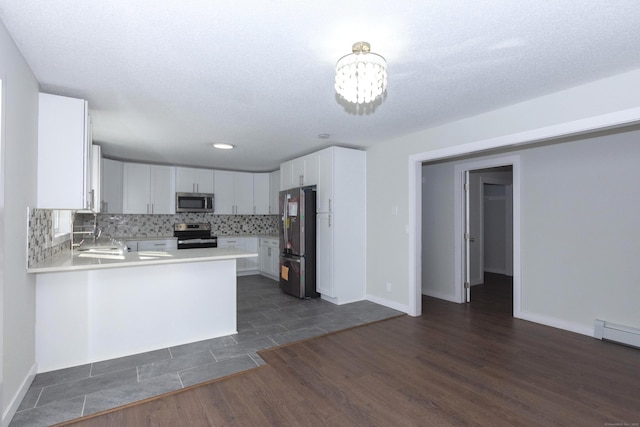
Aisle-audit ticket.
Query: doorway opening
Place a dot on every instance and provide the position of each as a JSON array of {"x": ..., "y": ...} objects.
[
  {"x": 460, "y": 247},
  {"x": 488, "y": 237}
]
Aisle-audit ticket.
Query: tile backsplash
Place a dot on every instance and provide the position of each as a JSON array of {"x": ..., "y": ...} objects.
[
  {"x": 40, "y": 237},
  {"x": 122, "y": 226}
]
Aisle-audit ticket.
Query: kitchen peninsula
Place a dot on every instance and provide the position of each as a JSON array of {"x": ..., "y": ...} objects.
[{"x": 102, "y": 305}]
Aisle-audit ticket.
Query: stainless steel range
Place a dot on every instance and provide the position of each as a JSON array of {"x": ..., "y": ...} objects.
[{"x": 194, "y": 235}]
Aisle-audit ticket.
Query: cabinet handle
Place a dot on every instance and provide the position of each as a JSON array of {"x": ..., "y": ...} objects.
[
  {"x": 147, "y": 207},
  {"x": 197, "y": 187},
  {"x": 329, "y": 204},
  {"x": 329, "y": 221},
  {"x": 269, "y": 252},
  {"x": 254, "y": 210},
  {"x": 90, "y": 201},
  {"x": 301, "y": 177}
]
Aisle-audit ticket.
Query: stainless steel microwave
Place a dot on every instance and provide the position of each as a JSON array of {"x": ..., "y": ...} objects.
[{"x": 194, "y": 202}]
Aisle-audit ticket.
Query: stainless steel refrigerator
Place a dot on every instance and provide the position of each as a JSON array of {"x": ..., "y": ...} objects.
[{"x": 298, "y": 242}]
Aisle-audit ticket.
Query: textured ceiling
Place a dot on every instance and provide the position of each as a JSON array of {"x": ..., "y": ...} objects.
[{"x": 165, "y": 79}]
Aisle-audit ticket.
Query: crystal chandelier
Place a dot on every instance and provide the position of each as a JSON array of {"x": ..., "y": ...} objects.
[{"x": 361, "y": 76}]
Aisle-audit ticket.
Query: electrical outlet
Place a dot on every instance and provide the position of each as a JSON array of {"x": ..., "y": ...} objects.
[{"x": 388, "y": 287}]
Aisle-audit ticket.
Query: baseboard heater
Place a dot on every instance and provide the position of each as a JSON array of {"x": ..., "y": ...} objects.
[{"x": 617, "y": 333}]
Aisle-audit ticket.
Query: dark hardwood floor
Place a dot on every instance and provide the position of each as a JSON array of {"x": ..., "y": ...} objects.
[{"x": 471, "y": 364}]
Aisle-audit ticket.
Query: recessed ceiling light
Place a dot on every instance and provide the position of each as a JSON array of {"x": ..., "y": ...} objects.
[
  {"x": 324, "y": 136},
  {"x": 222, "y": 146}
]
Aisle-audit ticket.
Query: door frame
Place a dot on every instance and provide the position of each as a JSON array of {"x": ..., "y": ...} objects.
[
  {"x": 414, "y": 227},
  {"x": 459, "y": 222}
]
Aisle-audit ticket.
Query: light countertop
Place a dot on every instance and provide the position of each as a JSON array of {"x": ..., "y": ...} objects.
[{"x": 73, "y": 261}]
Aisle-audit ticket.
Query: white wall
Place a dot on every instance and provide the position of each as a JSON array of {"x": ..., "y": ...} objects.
[
  {"x": 388, "y": 171},
  {"x": 578, "y": 246},
  {"x": 18, "y": 170}
]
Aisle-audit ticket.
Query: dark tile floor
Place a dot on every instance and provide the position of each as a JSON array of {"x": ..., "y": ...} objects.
[{"x": 266, "y": 318}]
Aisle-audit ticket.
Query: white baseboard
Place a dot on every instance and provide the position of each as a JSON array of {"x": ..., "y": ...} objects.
[
  {"x": 446, "y": 297},
  {"x": 556, "y": 323},
  {"x": 13, "y": 406},
  {"x": 388, "y": 303}
]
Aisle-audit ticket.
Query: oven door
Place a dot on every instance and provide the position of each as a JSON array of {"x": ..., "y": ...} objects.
[{"x": 198, "y": 243}]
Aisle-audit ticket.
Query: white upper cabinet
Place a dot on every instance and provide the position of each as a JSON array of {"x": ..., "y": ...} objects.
[
  {"x": 64, "y": 154},
  {"x": 244, "y": 193},
  {"x": 261, "y": 199},
  {"x": 300, "y": 172},
  {"x": 324, "y": 193},
  {"x": 233, "y": 193},
  {"x": 224, "y": 192},
  {"x": 148, "y": 189},
  {"x": 111, "y": 186},
  {"x": 194, "y": 180},
  {"x": 274, "y": 191}
]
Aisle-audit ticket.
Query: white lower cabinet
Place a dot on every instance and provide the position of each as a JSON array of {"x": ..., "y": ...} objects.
[
  {"x": 155, "y": 245},
  {"x": 269, "y": 257},
  {"x": 244, "y": 266},
  {"x": 161, "y": 245}
]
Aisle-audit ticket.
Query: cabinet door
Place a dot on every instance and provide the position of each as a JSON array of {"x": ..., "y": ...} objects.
[
  {"x": 250, "y": 244},
  {"x": 274, "y": 191},
  {"x": 231, "y": 243},
  {"x": 204, "y": 180},
  {"x": 297, "y": 172},
  {"x": 185, "y": 180},
  {"x": 310, "y": 175},
  {"x": 261, "y": 193},
  {"x": 136, "y": 188},
  {"x": 286, "y": 176},
  {"x": 324, "y": 255},
  {"x": 244, "y": 193},
  {"x": 194, "y": 180},
  {"x": 324, "y": 193},
  {"x": 163, "y": 190},
  {"x": 63, "y": 166},
  {"x": 111, "y": 186},
  {"x": 274, "y": 258},
  {"x": 224, "y": 183},
  {"x": 263, "y": 255}
]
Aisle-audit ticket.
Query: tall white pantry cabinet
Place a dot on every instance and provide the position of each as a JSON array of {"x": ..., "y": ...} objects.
[{"x": 341, "y": 225}]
